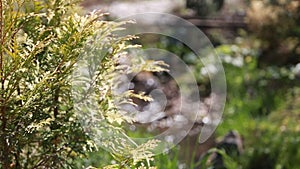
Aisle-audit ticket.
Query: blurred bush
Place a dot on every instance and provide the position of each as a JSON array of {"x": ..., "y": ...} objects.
[
  {"x": 275, "y": 141},
  {"x": 262, "y": 104},
  {"x": 205, "y": 7},
  {"x": 277, "y": 24}
]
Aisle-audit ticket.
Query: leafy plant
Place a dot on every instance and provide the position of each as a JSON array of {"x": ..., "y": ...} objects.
[{"x": 43, "y": 47}]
